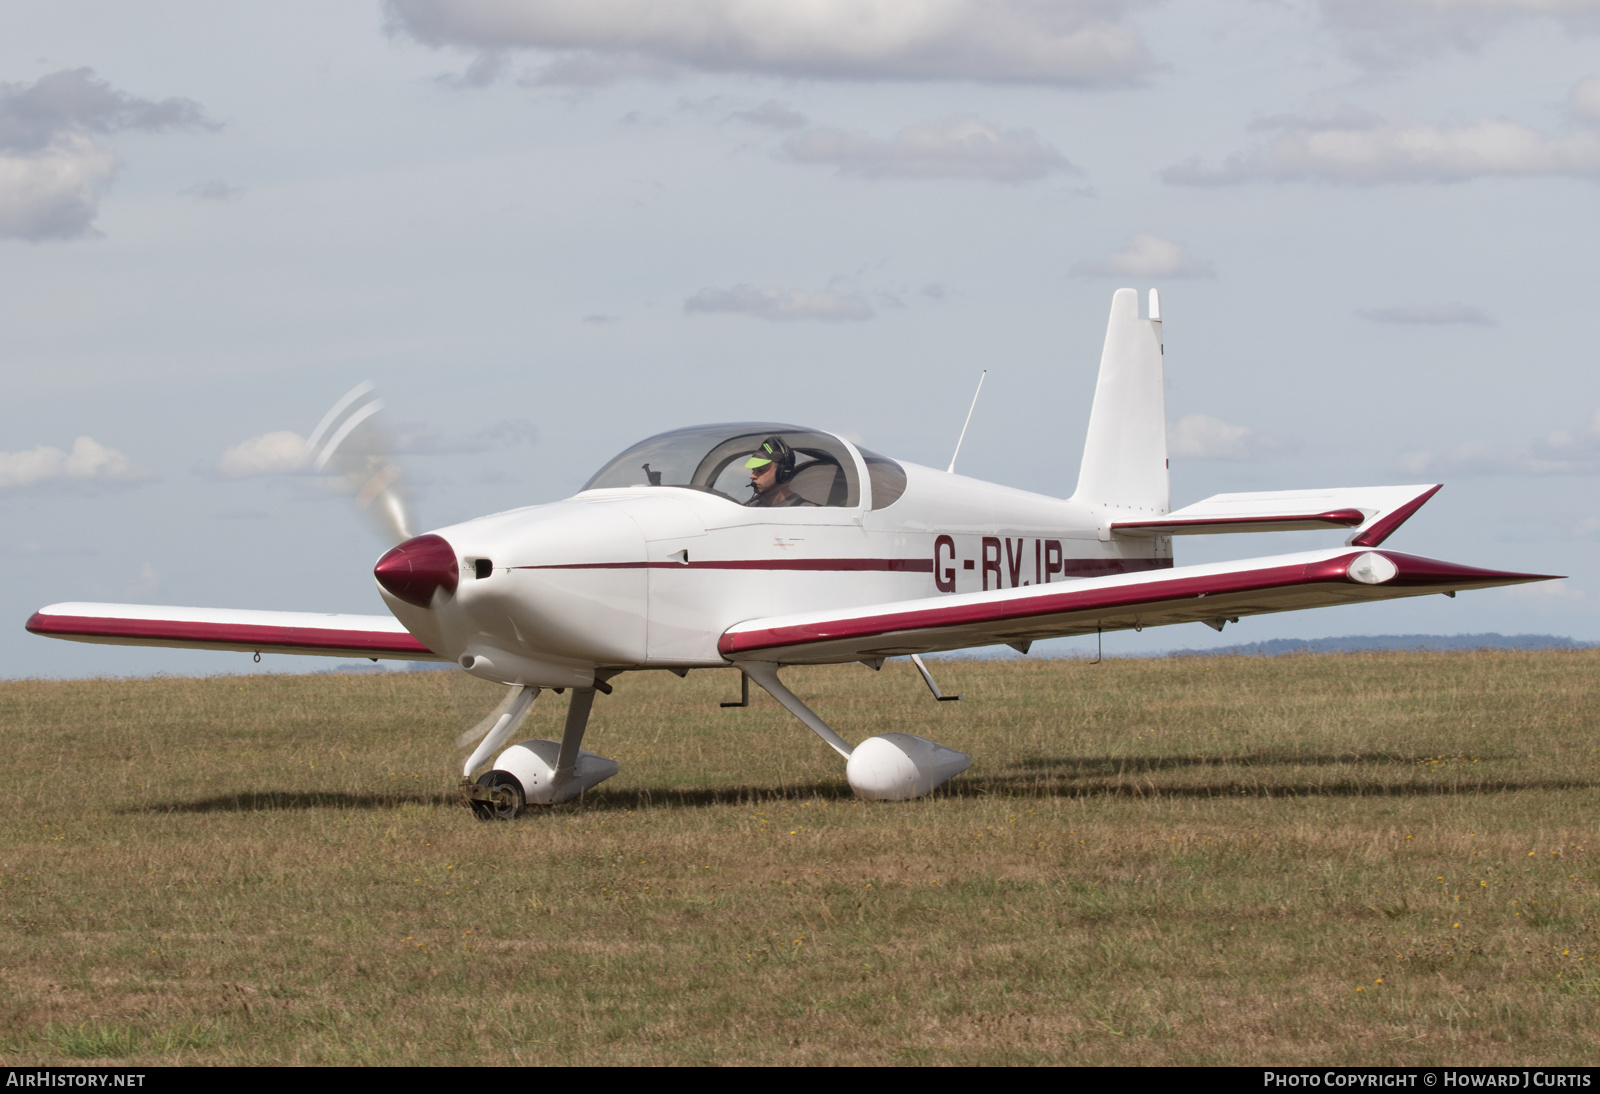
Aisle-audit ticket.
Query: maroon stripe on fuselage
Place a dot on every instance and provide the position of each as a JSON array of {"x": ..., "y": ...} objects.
[
  {"x": 236, "y": 634},
  {"x": 892, "y": 565},
  {"x": 1075, "y": 567}
]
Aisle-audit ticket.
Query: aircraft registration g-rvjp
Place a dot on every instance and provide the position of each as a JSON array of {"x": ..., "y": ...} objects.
[{"x": 841, "y": 555}]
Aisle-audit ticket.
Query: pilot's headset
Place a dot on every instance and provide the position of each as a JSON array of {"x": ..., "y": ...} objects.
[{"x": 774, "y": 450}]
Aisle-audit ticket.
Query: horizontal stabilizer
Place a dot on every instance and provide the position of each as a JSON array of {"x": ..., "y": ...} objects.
[
  {"x": 1373, "y": 512},
  {"x": 1187, "y": 594},
  {"x": 374, "y": 636}
]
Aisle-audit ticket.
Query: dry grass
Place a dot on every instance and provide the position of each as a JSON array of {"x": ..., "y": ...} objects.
[{"x": 1355, "y": 859}]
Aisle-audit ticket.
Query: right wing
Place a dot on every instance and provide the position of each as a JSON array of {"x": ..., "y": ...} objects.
[
  {"x": 372, "y": 636},
  {"x": 1212, "y": 593}
]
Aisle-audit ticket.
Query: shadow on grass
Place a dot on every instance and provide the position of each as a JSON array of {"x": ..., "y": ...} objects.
[
  {"x": 1039, "y": 778},
  {"x": 699, "y": 797},
  {"x": 1043, "y": 786},
  {"x": 1106, "y": 776},
  {"x": 267, "y": 801},
  {"x": 1082, "y": 776},
  {"x": 1114, "y": 765}
]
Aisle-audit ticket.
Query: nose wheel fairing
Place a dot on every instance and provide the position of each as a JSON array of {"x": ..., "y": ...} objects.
[{"x": 538, "y": 770}]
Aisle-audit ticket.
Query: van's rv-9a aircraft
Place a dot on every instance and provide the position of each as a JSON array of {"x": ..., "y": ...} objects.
[{"x": 660, "y": 563}]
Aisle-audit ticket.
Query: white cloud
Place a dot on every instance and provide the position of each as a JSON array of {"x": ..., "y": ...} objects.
[
  {"x": 53, "y": 193},
  {"x": 1583, "y": 101},
  {"x": 1432, "y": 315},
  {"x": 1574, "y": 451},
  {"x": 1588, "y": 433},
  {"x": 1475, "y": 458},
  {"x": 772, "y": 115},
  {"x": 1551, "y": 598},
  {"x": 1146, "y": 255},
  {"x": 146, "y": 585},
  {"x": 52, "y": 175},
  {"x": 287, "y": 453},
  {"x": 598, "y": 70},
  {"x": 486, "y": 68},
  {"x": 781, "y": 304},
  {"x": 419, "y": 439},
  {"x": 214, "y": 190},
  {"x": 1353, "y": 147},
  {"x": 960, "y": 147},
  {"x": 1074, "y": 42},
  {"x": 74, "y": 100},
  {"x": 89, "y": 464},
  {"x": 280, "y": 453},
  {"x": 1202, "y": 437},
  {"x": 1384, "y": 32}
]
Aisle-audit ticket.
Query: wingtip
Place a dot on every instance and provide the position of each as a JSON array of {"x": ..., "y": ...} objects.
[
  {"x": 1418, "y": 570},
  {"x": 43, "y": 621}
]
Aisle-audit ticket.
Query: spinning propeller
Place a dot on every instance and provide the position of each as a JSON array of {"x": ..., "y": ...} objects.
[{"x": 351, "y": 448}]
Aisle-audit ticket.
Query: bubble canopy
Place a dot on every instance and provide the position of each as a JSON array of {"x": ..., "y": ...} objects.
[{"x": 712, "y": 457}]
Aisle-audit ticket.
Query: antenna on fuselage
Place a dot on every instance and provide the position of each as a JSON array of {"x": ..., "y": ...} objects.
[{"x": 951, "y": 470}]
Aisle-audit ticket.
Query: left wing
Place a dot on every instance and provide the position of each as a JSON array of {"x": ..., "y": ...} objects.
[
  {"x": 374, "y": 636},
  {"x": 1213, "y": 593}
]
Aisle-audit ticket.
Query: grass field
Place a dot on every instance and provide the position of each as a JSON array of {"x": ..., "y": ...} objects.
[{"x": 1385, "y": 858}]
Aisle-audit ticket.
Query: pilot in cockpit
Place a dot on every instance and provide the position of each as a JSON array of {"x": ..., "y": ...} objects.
[{"x": 771, "y": 467}]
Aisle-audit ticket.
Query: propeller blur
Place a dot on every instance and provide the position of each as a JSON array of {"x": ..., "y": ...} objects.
[
  {"x": 351, "y": 448},
  {"x": 759, "y": 545}
]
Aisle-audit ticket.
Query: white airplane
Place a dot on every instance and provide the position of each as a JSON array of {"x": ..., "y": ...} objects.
[{"x": 842, "y": 555}]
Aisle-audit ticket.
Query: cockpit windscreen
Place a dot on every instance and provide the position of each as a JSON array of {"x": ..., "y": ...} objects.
[{"x": 712, "y": 458}]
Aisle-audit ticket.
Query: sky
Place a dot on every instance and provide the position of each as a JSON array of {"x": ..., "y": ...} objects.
[{"x": 546, "y": 230}]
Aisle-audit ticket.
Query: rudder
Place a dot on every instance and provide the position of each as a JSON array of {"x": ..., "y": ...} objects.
[{"x": 1125, "y": 454}]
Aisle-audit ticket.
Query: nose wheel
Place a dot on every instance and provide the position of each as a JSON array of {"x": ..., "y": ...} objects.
[{"x": 497, "y": 795}]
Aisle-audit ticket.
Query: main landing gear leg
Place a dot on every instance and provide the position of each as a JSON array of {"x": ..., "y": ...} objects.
[
  {"x": 766, "y": 675},
  {"x": 889, "y": 767}
]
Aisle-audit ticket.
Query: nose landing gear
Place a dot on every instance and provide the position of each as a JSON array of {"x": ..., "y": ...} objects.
[
  {"x": 540, "y": 772},
  {"x": 497, "y": 795}
]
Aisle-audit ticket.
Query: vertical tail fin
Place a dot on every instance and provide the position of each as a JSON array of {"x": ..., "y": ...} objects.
[{"x": 1125, "y": 455}]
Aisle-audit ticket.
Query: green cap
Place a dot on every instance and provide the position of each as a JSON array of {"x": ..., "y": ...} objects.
[{"x": 771, "y": 449}]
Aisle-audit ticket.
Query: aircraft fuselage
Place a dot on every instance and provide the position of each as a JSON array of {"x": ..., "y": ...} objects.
[{"x": 650, "y": 577}]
